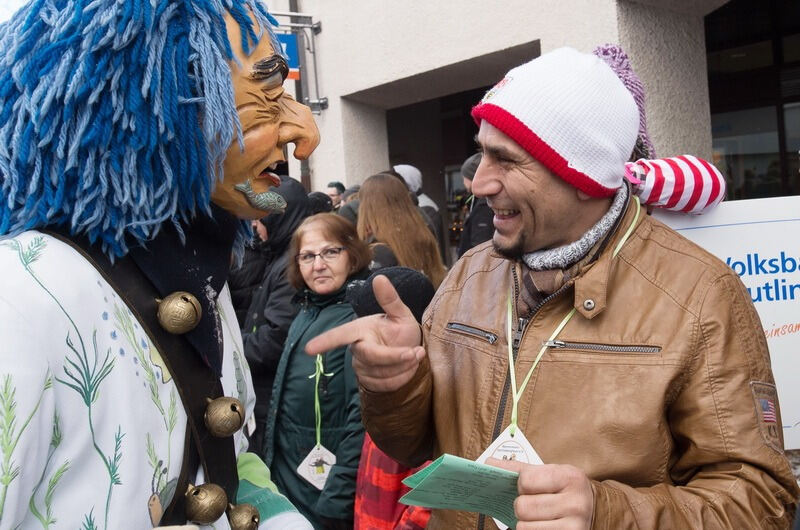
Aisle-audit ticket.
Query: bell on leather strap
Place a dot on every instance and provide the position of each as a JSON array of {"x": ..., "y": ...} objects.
[
  {"x": 205, "y": 503},
  {"x": 224, "y": 416},
  {"x": 243, "y": 517},
  {"x": 179, "y": 312}
]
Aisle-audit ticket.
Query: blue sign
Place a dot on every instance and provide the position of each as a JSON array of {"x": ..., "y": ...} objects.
[{"x": 290, "y": 50}]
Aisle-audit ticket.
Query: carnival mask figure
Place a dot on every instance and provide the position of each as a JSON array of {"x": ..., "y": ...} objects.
[
  {"x": 136, "y": 143},
  {"x": 118, "y": 117}
]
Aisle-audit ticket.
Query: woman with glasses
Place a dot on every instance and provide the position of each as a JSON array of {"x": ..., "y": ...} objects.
[{"x": 314, "y": 432}]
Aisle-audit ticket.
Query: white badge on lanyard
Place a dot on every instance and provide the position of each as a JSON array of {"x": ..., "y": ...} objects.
[
  {"x": 316, "y": 467},
  {"x": 509, "y": 446}
]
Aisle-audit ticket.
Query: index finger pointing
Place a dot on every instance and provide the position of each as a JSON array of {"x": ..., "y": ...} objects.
[{"x": 339, "y": 336}]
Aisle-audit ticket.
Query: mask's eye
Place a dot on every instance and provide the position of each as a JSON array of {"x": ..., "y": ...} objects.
[
  {"x": 271, "y": 71},
  {"x": 274, "y": 81}
]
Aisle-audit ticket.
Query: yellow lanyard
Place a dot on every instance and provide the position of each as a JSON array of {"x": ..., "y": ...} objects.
[
  {"x": 319, "y": 371},
  {"x": 516, "y": 395}
]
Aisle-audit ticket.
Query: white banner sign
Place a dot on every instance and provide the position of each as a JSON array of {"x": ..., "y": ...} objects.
[{"x": 760, "y": 240}]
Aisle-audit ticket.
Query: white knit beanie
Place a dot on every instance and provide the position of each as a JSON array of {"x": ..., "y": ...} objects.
[
  {"x": 571, "y": 112},
  {"x": 411, "y": 175}
]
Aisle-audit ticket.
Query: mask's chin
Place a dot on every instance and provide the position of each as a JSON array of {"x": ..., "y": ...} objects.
[{"x": 268, "y": 201}]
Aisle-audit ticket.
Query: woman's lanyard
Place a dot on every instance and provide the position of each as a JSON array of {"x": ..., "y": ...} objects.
[
  {"x": 516, "y": 395},
  {"x": 319, "y": 371}
]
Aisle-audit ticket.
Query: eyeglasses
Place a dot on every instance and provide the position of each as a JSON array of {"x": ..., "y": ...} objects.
[{"x": 328, "y": 255}]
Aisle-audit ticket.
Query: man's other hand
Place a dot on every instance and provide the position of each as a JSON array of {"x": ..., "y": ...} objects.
[
  {"x": 550, "y": 495},
  {"x": 386, "y": 348}
]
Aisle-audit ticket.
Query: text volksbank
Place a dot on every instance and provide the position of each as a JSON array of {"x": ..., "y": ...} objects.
[{"x": 774, "y": 289}]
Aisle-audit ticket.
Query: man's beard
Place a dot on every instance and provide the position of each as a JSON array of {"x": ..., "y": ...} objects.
[{"x": 514, "y": 251}]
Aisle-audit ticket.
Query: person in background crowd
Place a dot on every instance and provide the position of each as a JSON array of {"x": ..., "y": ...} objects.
[
  {"x": 653, "y": 405},
  {"x": 478, "y": 225},
  {"x": 351, "y": 193},
  {"x": 395, "y": 229},
  {"x": 314, "y": 434},
  {"x": 349, "y": 210},
  {"x": 413, "y": 179},
  {"x": 380, "y": 478},
  {"x": 245, "y": 277},
  {"x": 334, "y": 191},
  {"x": 319, "y": 203},
  {"x": 426, "y": 216},
  {"x": 271, "y": 310}
]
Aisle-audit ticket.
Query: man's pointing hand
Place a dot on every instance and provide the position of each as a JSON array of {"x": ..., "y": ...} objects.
[{"x": 386, "y": 348}]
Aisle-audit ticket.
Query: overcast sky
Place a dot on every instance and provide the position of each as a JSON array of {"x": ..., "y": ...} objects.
[{"x": 7, "y": 8}]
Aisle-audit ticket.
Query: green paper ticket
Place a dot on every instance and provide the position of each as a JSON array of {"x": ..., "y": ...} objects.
[{"x": 455, "y": 483}]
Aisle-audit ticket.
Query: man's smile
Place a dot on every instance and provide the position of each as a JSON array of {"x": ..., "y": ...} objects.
[{"x": 504, "y": 213}]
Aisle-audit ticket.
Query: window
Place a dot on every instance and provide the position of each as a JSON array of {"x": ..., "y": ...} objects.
[{"x": 754, "y": 91}]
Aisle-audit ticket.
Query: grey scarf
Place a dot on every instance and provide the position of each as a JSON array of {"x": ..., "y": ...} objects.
[{"x": 563, "y": 257}]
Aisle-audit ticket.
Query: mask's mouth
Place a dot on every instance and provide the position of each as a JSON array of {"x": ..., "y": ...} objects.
[{"x": 268, "y": 201}]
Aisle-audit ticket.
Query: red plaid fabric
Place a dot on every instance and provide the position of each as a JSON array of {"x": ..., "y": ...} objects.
[{"x": 379, "y": 485}]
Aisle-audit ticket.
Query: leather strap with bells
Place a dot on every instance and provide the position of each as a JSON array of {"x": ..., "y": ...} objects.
[{"x": 195, "y": 381}]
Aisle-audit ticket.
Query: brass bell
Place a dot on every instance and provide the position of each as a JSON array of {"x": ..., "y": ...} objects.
[
  {"x": 224, "y": 416},
  {"x": 243, "y": 517},
  {"x": 205, "y": 503},
  {"x": 179, "y": 312}
]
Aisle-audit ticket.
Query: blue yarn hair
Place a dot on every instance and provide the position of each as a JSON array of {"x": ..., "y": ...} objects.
[{"x": 115, "y": 116}]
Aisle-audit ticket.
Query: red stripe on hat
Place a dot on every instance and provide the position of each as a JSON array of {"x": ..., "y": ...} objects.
[
  {"x": 698, "y": 184},
  {"x": 678, "y": 187},
  {"x": 658, "y": 183},
  {"x": 538, "y": 148},
  {"x": 646, "y": 196},
  {"x": 716, "y": 187}
]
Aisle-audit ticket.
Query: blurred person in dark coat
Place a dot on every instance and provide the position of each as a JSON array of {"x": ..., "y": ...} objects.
[
  {"x": 271, "y": 311},
  {"x": 319, "y": 202},
  {"x": 478, "y": 225}
]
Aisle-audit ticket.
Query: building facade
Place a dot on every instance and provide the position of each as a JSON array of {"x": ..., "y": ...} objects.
[{"x": 400, "y": 78}]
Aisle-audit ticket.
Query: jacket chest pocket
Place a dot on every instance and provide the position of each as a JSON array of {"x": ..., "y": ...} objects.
[
  {"x": 473, "y": 332},
  {"x": 596, "y": 347},
  {"x": 613, "y": 353}
]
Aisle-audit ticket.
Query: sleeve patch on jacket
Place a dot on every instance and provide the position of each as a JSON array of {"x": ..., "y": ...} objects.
[{"x": 766, "y": 402}]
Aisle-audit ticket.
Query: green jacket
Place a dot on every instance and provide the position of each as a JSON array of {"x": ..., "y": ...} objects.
[{"x": 291, "y": 431}]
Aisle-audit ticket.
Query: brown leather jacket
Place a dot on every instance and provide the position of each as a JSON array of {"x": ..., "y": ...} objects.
[{"x": 670, "y": 428}]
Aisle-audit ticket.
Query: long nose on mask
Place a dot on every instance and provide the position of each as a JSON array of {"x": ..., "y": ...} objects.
[{"x": 298, "y": 127}]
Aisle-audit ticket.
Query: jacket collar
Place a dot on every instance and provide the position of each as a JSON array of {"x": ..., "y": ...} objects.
[{"x": 591, "y": 282}]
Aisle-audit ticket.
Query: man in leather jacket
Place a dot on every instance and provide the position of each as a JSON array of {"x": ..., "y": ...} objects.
[{"x": 650, "y": 396}]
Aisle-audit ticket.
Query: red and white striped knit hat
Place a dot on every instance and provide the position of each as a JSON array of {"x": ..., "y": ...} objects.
[
  {"x": 682, "y": 183},
  {"x": 572, "y": 113}
]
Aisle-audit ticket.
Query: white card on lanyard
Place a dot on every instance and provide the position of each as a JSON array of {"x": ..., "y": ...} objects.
[
  {"x": 316, "y": 467},
  {"x": 508, "y": 447}
]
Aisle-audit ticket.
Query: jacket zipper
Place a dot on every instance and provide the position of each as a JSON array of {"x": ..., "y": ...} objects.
[
  {"x": 522, "y": 323},
  {"x": 609, "y": 348},
  {"x": 491, "y": 338}
]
